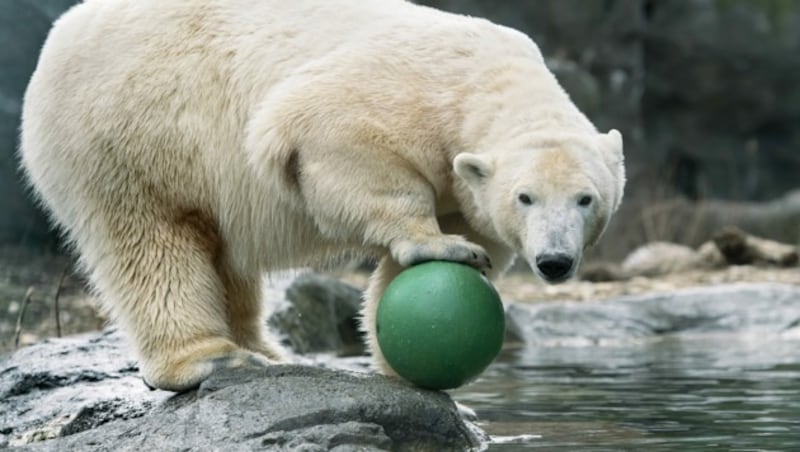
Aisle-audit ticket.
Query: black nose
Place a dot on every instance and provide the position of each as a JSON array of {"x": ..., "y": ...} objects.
[{"x": 554, "y": 266}]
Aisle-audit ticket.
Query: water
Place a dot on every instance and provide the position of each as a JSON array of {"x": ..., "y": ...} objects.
[{"x": 703, "y": 387}]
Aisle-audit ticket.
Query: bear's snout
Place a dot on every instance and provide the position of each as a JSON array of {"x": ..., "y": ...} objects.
[{"x": 554, "y": 267}]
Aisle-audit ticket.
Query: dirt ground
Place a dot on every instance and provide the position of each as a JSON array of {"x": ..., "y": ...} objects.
[{"x": 23, "y": 272}]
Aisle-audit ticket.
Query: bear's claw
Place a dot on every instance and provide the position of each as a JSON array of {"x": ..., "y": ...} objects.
[{"x": 238, "y": 360}]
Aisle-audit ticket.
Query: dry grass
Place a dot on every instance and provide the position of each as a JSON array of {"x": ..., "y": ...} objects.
[{"x": 23, "y": 270}]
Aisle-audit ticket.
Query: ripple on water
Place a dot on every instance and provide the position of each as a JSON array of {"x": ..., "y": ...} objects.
[{"x": 698, "y": 390}]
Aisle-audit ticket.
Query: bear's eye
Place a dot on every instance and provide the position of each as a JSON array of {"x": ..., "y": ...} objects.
[
  {"x": 585, "y": 201},
  {"x": 525, "y": 199}
]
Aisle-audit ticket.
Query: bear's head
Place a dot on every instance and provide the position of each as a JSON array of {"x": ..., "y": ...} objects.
[{"x": 549, "y": 199}]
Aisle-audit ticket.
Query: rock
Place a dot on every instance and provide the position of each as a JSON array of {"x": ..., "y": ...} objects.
[
  {"x": 756, "y": 308},
  {"x": 659, "y": 258},
  {"x": 291, "y": 408},
  {"x": 85, "y": 393},
  {"x": 320, "y": 314},
  {"x": 67, "y": 385}
]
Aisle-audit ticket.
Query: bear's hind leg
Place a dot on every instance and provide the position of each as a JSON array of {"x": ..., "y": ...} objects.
[
  {"x": 160, "y": 282},
  {"x": 245, "y": 315}
]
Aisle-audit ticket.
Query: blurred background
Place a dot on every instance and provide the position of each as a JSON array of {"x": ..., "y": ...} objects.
[{"x": 705, "y": 92}]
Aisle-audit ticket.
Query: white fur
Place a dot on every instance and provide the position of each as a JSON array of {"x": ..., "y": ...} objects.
[{"x": 188, "y": 146}]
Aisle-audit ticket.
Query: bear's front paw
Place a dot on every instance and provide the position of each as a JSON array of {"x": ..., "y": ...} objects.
[{"x": 451, "y": 248}]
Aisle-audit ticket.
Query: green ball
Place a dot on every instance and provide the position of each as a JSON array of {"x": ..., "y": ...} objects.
[{"x": 440, "y": 324}]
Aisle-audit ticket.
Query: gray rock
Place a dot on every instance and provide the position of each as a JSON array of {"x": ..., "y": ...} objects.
[
  {"x": 84, "y": 393},
  {"x": 63, "y": 386},
  {"x": 287, "y": 408},
  {"x": 757, "y": 308},
  {"x": 320, "y": 314}
]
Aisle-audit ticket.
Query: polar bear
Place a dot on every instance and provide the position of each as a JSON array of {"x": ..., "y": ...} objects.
[{"x": 188, "y": 147}]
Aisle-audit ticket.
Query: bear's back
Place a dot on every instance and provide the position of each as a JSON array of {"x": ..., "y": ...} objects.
[{"x": 154, "y": 97}]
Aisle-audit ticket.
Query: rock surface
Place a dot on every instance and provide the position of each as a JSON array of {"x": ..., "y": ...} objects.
[
  {"x": 67, "y": 385},
  {"x": 287, "y": 408},
  {"x": 755, "y": 308},
  {"x": 84, "y": 393},
  {"x": 319, "y": 314}
]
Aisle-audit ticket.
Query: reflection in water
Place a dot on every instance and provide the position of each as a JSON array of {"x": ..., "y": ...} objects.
[{"x": 693, "y": 391}]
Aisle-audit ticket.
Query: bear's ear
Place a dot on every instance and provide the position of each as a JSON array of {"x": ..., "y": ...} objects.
[
  {"x": 611, "y": 143},
  {"x": 475, "y": 169}
]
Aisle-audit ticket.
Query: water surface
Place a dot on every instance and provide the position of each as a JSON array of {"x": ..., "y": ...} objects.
[{"x": 728, "y": 381}]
